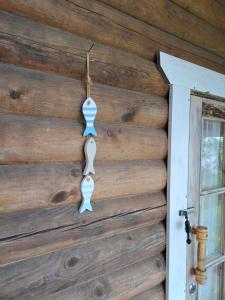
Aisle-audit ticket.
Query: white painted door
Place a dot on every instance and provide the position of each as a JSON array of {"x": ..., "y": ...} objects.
[{"x": 206, "y": 193}]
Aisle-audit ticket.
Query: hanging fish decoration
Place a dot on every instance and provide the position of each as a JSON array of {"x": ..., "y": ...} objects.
[
  {"x": 87, "y": 188},
  {"x": 89, "y": 110},
  {"x": 90, "y": 151}
]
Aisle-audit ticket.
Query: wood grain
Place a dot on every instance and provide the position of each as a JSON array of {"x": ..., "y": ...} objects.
[
  {"x": 49, "y": 140},
  {"x": 176, "y": 21},
  {"x": 77, "y": 265},
  {"x": 158, "y": 39},
  {"x": 35, "y": 186},
  {"x": 122, "y": 284},
  {"x": 24, "y": 223},
  {"x": 34, "y": 244},
  {"x": 47, "y": 249},
  {"x": 156, "y": 293},
  {"x": 222, "y": 2},
  {"x": 86, "y": 19},
  {"x": 209, "y": 10},
  {"x": 89, "y": 17},
  {"x": 24, "y": 91},
  {"x": 30, "y": 44}
]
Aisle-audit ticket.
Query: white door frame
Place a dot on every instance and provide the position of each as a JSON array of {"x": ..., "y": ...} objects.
[{"x": 183, "y": 78}]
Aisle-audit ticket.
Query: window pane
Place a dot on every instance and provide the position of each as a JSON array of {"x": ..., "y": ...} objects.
[
  {"x": 212, "y": 154},
  {"x": 211, "y": 212},
  {"x": 211, "y": 290}
]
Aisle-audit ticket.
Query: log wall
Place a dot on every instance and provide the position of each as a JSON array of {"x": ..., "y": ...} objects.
[{"x": 47, "y": 249}]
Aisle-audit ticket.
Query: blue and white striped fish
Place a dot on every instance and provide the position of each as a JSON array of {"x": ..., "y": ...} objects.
[
  {"x": 89, "y": 110},
  {"x": 87, "y": 188}
]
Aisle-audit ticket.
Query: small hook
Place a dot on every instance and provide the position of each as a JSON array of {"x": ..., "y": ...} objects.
[{"x": 91, "y": 48}]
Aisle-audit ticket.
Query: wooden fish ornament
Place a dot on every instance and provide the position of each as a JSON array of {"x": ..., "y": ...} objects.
[
  {"x": 90, "y": 151},
  {"x": 89, "y": 110},
  {"x": 87, "y": 188}
]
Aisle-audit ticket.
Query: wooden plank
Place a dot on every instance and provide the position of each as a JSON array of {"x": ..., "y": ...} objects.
[
  {"x": 77, "y": 265},
  {"x": 25, "y": 91},
  {"x": 47, "y": 49},
  {"x": 177, "y": 190},
  {"x": 89, "y": 17},
  {"x": 34, "y": 186},
  {"x": 34, "y": 244},
  {"x": 209, "y": 10},
  {"x": 176, "y": 21},
  {"x": 34, "y": 221},
  {"x": 122, "y": 284},
  {"x": 156, "y": 293},
  {"x": 49, "y": 140}
]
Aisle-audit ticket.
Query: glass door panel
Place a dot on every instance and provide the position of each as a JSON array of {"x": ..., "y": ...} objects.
[
  {"x": 211, "y": 290},
  {"x": 211, "y": 205},
  {"x": 212, "y": 154},
  {"x": 211, "y": 216},
  {"x": 207, "y": 196}
]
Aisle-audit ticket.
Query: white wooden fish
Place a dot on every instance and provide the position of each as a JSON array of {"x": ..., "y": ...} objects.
[
  {"x": 87, "y": 188},
  {"x": 90, "y": 151},
  {"x": 89, "y": 110}
]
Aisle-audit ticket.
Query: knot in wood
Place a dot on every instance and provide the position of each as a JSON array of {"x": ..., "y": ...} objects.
[
  {"x": 129, "y": 115},
  {"x": 158, "y": 263},
  {"x": 71, "y": 262},
  {"x": 102, "y": 289},
  {"x": 76, "y": 172},
  {"x": 60, "y": 197},
  {"x": 14, "y": 94}
]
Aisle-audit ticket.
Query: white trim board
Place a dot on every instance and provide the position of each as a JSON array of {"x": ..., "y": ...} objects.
[
  {"x": 189, "y": 75},
  {"x": 183, "y": 77}
]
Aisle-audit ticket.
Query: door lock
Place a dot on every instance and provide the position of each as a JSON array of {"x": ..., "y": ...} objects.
[{"x": 187, "y": 224}]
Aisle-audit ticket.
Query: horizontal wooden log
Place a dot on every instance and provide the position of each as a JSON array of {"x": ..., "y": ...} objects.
[
  {"x": 49, "y": 49},
  {"x": 211, "y": 11},
  {"x": 76, "y": 265},
  {"x": 152, "y": 38},
  {"x": 158, "y": 39},
  {"x": 122, "y": 284},
  {"x": 49, "y": 140},
  {"x": 156, "y": 293},
  {"x": 32, "y": 233},
  {"x": 25, "y": 91},
  {"x": 80, "y": 20},
  {"x": 222, "y": 2},
  {"x": 176, "y": 21},
  {"x": 89, "y": 17},
  {"x": 47, "y": 241},
  {"x": 18, "y": 224},
  {"x": 34, "y": 186}
]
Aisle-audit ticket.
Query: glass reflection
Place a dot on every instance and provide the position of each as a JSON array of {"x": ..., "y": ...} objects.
[
  {"x": 211, "y": 208},
  {"x": 211, "y": 290},
  {"x": 212, "y": 154}
]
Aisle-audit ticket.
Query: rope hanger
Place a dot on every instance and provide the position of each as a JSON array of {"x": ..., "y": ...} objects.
[{"x": 89, "y": 81}]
